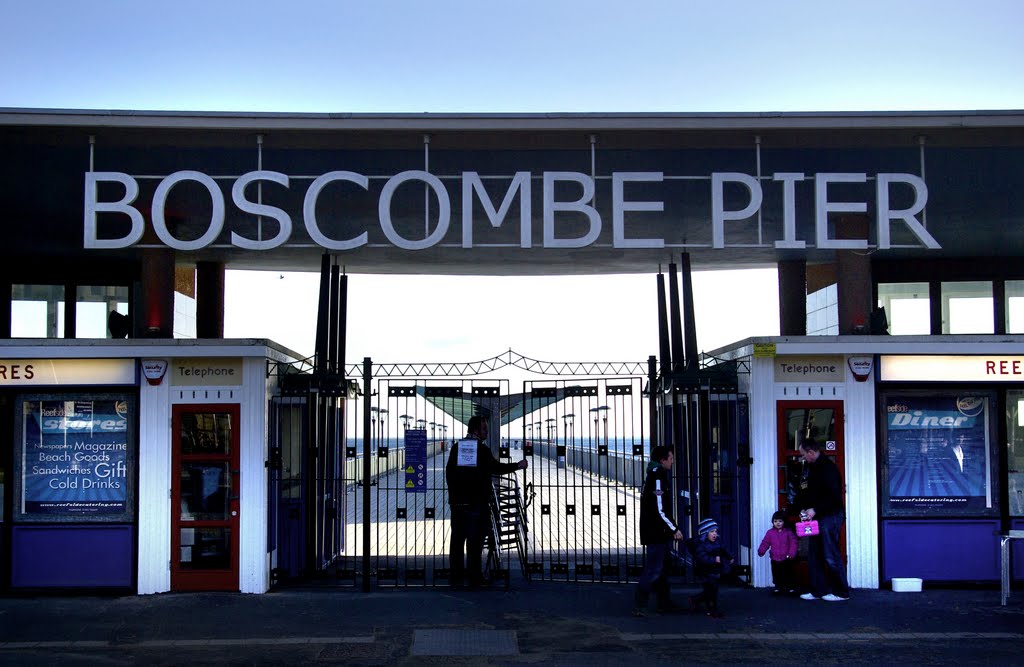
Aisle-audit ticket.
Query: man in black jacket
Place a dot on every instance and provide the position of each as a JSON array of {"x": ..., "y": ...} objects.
[
  {"x": 470, "y": 490},
  {"x": 822, "y": 500},
  {"x": 657, "y": 532}
]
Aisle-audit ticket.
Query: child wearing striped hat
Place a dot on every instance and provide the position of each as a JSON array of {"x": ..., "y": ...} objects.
[{"x": 712, "y": 561}]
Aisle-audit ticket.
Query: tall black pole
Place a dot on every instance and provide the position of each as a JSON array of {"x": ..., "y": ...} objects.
[
  {"x": 342, "y": 324},
  {"x": 331, "y": 344},
  {"x": 689, "y": 317},
  {"x": 341, "y": 403},
  {"x": 367, "y": 379},
  {"x": 663, "y": 340},
  {"x": 677, "y": 399},
  {"x": 323, "y": 313},
  {"x": 704, "y": 451},
  {"x": 652, "y": 401},
  {"x": 310, "y": 476},
  {"x": 676, "y": 322}
]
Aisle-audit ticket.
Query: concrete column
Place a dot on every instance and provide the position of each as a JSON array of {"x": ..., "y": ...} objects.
[
  {"x": 209, "y": 300},
  {"x": 156, "y": 298},
  {"x": 793, "y": 297},
  {"x": 853, "y": 270}
]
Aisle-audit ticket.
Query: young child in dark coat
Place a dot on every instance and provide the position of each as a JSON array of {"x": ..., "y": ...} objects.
[
  {"x": 780, "y": 540},
  {"x": 711, "y": 561}
]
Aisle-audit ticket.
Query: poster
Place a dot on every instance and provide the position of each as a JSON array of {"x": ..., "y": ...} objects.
[
  {"x": 416, "y": 460},
  {"x": 74, "y": 458},
  {"x": 467, "y": 452},
  {"x": 938, "y": 454}
]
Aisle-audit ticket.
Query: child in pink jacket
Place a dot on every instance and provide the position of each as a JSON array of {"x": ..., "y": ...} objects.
[{"x": 781, "y": 540}]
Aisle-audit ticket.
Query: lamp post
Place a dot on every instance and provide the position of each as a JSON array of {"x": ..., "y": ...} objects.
[
  {"x": 405, "y": 421},
  {"x": 383, "y": 433},
  {"x": 529, "y": 431},
  {"x": 603, "y": 410},
  {"x": 559, "y": 451},
  {"x": 569, "y": 420},
  {"x": 374, "y": 410}
]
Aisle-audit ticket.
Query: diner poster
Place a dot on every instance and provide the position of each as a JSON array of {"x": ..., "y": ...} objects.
[
  {"x": 75, "y": 458},
  {"x": 938, "y": 454}
]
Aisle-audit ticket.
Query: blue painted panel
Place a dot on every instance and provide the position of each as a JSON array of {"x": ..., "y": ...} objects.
[
  {"x": 941, "y": 550},
  {"x": 72, "y": 556}
]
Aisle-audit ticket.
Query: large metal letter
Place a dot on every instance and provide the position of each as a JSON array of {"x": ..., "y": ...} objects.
[
  {"x": 309, "y": 209},
  {"x": 284, "y": 221},
  {"x": 620, "y": 206},
  {"x": 718, "y": 213},
  {"x": 92, "y": 207},
  {"x": 789, "y": 180},
  {"x": 160, "y": 204},
  {"x": 471, "y": 183},
  {"x": 822, "y": 207},
  {"x": 885, "y": 214},
  {"x": 551, "y": 207},
  {"x": 444, "y": 212}
]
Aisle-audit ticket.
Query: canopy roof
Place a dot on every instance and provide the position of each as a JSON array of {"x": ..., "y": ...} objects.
[{"x": 653, "y": 194}]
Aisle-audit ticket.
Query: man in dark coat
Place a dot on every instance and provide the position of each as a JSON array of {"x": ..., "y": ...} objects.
[
  {"x": 822, "y": 500},
  {"x": 657, "y": 532},
  {"x": 470, "y": 491}
]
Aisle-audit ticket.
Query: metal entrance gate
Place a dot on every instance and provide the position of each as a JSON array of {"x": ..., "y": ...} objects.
[
  {"x": 588, "y": 442},
  {"x": 382, "y": 520},
  {"x": 401, "y": 521},
  {"x": 349, "y": 507}
]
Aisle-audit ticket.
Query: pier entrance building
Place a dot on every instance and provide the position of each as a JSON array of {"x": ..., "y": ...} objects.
[{"x": 897, "y": 240}]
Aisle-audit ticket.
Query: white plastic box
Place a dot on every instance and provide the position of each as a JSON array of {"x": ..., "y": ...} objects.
[{"x": 906, "y": 585}]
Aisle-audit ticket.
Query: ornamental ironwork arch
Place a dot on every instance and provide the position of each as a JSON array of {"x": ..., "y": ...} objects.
[{"x": 506, "y": 359}]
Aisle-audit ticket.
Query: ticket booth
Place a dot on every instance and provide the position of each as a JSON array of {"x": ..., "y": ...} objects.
[
  {"x": 927, "y": 436},
  {"x": 142, "y": 468}
]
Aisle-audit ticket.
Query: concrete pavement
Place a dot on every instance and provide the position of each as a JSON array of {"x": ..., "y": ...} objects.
[{"x": 538, "y": 622}]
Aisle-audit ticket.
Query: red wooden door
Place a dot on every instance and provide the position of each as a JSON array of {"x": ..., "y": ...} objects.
[{"x": 204, "y": 498}]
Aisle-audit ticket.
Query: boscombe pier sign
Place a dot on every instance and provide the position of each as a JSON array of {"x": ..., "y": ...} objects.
[{"x": 471, "y": 187}]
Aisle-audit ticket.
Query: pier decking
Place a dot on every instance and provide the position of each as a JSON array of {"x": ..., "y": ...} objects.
[{"x": 577, "y": 523}]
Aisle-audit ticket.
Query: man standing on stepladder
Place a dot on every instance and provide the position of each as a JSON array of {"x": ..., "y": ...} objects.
[
  {"x": 470, "y": 489},
  {"x": 658, "y": 530}
]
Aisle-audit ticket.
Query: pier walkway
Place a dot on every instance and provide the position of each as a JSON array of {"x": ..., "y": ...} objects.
[{"x": 575, "y": 520}]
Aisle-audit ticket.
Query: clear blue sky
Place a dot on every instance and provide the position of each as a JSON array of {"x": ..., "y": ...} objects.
[
  {"x": 524, "y": 56},
  {"x": 528, "y": 55}
]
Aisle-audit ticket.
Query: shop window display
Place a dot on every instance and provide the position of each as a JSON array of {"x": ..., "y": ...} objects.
[
  {"x": 939, "y": 455},
  {"x": 76, "y": 456},
  {"x": 1015, "y": 451}
]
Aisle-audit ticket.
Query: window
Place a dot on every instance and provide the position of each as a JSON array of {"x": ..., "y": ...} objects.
[
  {"x": 823, "y": 312},
  {"x": 94, "y": 305},
  {"x": 37, "y": 311},
  {"x": 1015, "y": 450},
  {"x": 1015, "y": 306},
  {"x": 74, "y": 457},
  {"x": 939, "y": 457},
  {"x": 907, "y": 307},
  {"x": 967, "y": 308}
]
